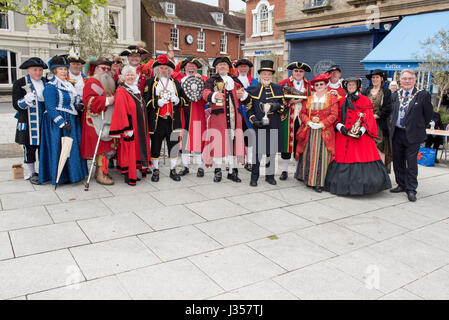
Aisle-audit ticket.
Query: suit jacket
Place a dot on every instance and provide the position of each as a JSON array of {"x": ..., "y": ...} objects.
[{"x": 418, "y": 115}]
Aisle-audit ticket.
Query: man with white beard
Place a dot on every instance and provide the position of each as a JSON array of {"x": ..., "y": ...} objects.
[{"x": 98, "y": 95}]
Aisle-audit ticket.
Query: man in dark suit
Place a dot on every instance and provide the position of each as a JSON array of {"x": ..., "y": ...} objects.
[{"x": 412, "y": 111}]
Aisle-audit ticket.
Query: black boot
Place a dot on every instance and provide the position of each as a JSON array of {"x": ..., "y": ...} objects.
[
  {"x": 200, "y": 173},
  {"x": 174, "y": 175},
  {"x": 318, "y": 189},
  {"x": 184, "y": 171},
  {"x": 284, "y": 175},
  {"x": 253, "y": 183},
  {"x": 155, "y": 176},
  {"x": 35, "y": 179},
  {"x": 126, "y": 176},
  {"x": 234, "y": 176},
  {"x": 270, "y": 180},
  {"x": 217, "y": 175}
]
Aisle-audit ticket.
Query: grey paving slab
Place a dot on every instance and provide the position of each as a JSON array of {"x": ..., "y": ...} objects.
[
  {"x": 24, "y": 218},
  {"x": 257, "y": 202},
  {"x": 295, "y": 195},
  {"x": 28, "y": 199},
  {"x": 218, "y": 190},
  {"x": 5, "y": 246},
  {"x": 169, "y": 217},
  {"x": 435, "y": 234},
  {"x": 402, "y": 217},
  {"x": 324, "y": 282},
  {"x": 179, "y": 242},
  {"x": 78, "y": 210},
  {"x": 15, "y": 186},
  {"x": 352, "y": 205},
  {"x": 233, "y": 230},
  {"x": 47, "y": 238},
  {"x": 278, "y": 221},
  {"x": 434, "y": 286},
  {"x": 335, "y": 238},
  {"x": 236, "y": 266},
  {"x": 76, "y": 191},
  {"x": 216, "y": 209},
  {"x": 400, "y": 294},
  {"x": 291, "y": 251},
  {"x": 36, "y": 273},
  {"x": 119, "y": 189},
  {"x": 113, "y": 227},
  {"x": 265, "y": 290},
  {"x": 114, "y": 256},
  {"x": 132, "y": 202},
  {"x": 173, "y": 280},
  {"x": 108, "y": 288},
  {"x": 317, "y": 212},
  {"x": 180, "y": 196}
]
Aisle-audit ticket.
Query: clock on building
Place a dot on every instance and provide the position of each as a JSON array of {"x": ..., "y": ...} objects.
[{"x": 189, "y": 39}]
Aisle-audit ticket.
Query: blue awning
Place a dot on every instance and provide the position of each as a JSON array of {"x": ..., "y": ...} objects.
[
  {"x": 328, "y": 32},
  {"x": 401, "y": 47}
]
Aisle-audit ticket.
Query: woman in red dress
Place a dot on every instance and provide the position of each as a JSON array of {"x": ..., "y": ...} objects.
[{"x": 357, "y": 168}]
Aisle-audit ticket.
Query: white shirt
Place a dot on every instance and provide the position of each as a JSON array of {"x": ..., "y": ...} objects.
[
  {"x": 335, "y": 85},
  {"x": 319, "y": 100},
  {"x": 79, "y": 85},
  {"x": 39, "y": 87},
  {"x": 299, "y": 85},
  {"x": 133, "y": 88},
  {"x": 244, "y": 80},
  {"x": 165, "y": 82}
]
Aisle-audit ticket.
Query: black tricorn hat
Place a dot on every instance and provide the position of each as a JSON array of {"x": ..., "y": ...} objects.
[
  {"x": 243, "y": 62},
  {"x": 344, "y": 84},
  {"x": 193, "y": 60},
  {"x": 163, "y": 60},
  {"x": 58, "y": 61},
  {"x": 102, "y": 60},
  {"x": 222, "y": 59},
  {"x": 266, "y": 65},
  {"x": 333, "y": 68},
  {"x": 33, "y": 62},
  {"x": 378, "y": 72},
  {"x": 133, "y": 49},
  {"x": 299, "y": 65}
]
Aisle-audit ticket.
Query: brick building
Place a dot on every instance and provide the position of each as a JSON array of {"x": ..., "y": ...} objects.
[
  {"x": 263, "y": 40},
  {"x": 195, "y": 29}
]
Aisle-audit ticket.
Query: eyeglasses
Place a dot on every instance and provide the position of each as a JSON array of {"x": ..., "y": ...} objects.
[
  {"x": 116, "y": 62},
  {"x": 105, "y": 68},
  {"x": 319, "y": 84}
]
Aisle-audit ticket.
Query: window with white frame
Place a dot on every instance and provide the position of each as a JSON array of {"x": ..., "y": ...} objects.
[
  {"x": 8, "y": 67},
  {"x": 218, "y": 17},
  {"x": 201, "y": 40},
  {"x": 4, "y": 21},
  {"x": 114, "y": 22},
  {"x": 223, "y": 43},
  {"x": 174, "y": 37},
  {"x": 263, "y": 19},
  {"x": 170, "y": 9}
]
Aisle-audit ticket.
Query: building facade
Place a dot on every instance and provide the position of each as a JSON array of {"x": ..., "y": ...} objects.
[
  {"x": 326, "y": 32},
  {"x": 194, "y": 29},
  {"x": 263, "y": 40},
  {"x": 18, "y": 42}
]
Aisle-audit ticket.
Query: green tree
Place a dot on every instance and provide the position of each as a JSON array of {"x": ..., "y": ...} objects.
[
  {"x": 57, "y": 12},
  {"x": 436, "y": 60}
]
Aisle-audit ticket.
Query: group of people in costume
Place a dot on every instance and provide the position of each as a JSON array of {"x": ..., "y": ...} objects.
[{"x": 335, "y": 133}]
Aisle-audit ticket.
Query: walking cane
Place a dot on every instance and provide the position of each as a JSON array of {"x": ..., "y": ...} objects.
[{"x": 86, "y": 186}]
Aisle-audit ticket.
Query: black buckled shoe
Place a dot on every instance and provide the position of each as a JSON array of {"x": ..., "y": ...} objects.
[
  {"x": 234, "y": 176},
  {"x": 174, "y": 176},
  {"x": 155, "y": 176},
  {"x": 253, "y": 183},
  {"x": 248, "y": 167},
  {"x": 217, "y": 175},
  {"x": 398, "y": 189},
  {"x": 284, "y": 175},
  {"x": 200, "y": 173},
  {"x": 318, "y": 189},
  {"x": 271, "y": 180},
  {"x": 149, "y": 171},
  {"x": 184, "y": 171},
  {"x": 411, "y": 195},
  {"x": 35, "y": 179}
]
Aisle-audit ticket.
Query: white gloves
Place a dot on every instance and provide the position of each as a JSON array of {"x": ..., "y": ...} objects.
[
  {"x": 129, "y": 133},
  {"x": 174, "y": 99},
  {"x": 162, "y": 102},
  {"x": 314, "y": 126},
  {"x": 30, "y": 97}
]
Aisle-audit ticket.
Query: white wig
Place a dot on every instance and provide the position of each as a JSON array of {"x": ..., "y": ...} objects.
[{"x": 125, "y": 70}]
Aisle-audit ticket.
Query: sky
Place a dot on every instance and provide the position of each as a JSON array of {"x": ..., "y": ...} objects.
[{"x": 234, "y": 5}]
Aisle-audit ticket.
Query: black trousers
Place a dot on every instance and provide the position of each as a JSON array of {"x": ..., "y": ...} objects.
[
  {"x": 29, "y": 153},
  {"x": 434, "y": 141},
  {"x": 405, "y": 161},
  {"x": 164, "y": 131},
  {"x": 288, "y": 155},
  {"x": 269, "y": 166}
]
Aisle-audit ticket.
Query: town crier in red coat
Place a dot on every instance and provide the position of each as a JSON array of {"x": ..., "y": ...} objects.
[
  {"x": 224, "y": 135},
  {"x": 358, "y": 168},
  {"x": 193, "y": 119},
  {"x": 134, "y": 54},
  {"x": 98, "y": 95}
]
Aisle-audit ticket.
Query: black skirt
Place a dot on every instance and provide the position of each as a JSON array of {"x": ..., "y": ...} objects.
[{"x": 351, "y": 179}]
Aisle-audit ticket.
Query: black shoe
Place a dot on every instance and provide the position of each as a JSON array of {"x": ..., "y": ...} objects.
[
  {"x": 217, "y": 175},
  {"x": 253, "y": 183},
  {"x": 284, "y": 175},
  {"x": 174, "y": 175},
  {"x": 148, "y": 170},
  {"x": 200, "y": 173},
  {"x": 111, "y": 163},
  {"x": 270, "y": 180},
  {"x": 155, "y": 176},
  {"x": 35, "y": 179},
  {"x": 126, "y": 176},
  {"x": 184, "y": 171},
  {"x": 248, "y": 167},
  {"x": 234, "y": 175},
  {"x": 319, "y": 189},
  {"x": 144, "y": 173},
  {"x": 398, "y": 189},
  {"x": 411, "y": 195}
]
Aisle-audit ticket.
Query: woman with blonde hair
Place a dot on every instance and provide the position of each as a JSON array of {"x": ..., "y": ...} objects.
[{"x": 130, "y": 125}]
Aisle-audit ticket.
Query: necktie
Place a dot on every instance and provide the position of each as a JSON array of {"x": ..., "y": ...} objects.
[{"x": 403, "y": 108}]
